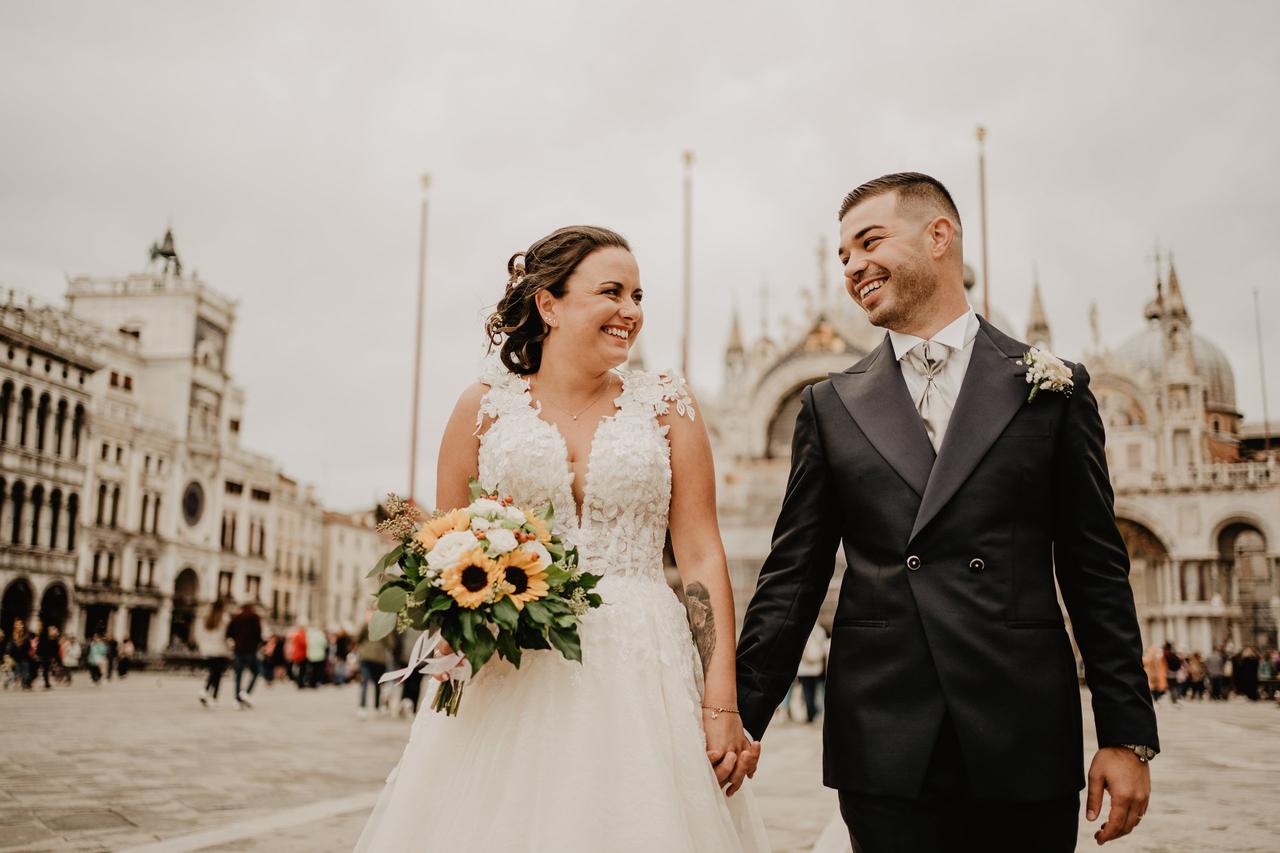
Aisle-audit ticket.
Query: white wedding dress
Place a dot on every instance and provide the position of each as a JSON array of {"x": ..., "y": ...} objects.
[{"x": 561, "y": 757}]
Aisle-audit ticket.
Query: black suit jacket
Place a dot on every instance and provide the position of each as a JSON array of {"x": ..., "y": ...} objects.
[{"x": 948, "y": 606}]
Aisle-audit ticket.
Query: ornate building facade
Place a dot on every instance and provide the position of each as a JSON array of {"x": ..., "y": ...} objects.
[
  {"x": 1197, "y": 503},
  {"x": 47, "y": 364}
]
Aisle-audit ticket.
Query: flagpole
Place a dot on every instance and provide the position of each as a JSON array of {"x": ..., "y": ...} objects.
[
  {"x": 1262, "y": 375},
  {"x": 982, "y": 195},
  {"x": 417, "y": 344},
  {"x": 688, "y": 263}
]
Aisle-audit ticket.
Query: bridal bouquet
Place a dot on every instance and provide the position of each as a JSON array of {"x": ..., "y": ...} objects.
[{"x": 484, "y": 579}]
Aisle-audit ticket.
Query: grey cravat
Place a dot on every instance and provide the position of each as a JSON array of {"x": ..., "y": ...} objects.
[{"x": 927, "y": 359}]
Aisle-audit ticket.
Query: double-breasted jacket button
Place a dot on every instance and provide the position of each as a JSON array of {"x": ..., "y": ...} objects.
[
  {"x": 977, "y": 564},
  {"x": 913, "y": 562}
]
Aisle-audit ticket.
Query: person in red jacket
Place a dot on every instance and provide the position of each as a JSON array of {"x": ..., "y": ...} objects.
[{"x": 296, "y": 654}]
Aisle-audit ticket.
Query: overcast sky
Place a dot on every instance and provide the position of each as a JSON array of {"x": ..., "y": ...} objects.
[{"x": 284, "y": 142}]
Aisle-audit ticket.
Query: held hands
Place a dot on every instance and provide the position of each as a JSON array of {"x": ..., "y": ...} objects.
[
  {"x": 732, "y": 754},
  {"x": 1128, "y": 781}
]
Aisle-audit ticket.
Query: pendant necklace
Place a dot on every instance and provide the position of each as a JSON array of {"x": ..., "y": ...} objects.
[{"x": 608, "y": 380}]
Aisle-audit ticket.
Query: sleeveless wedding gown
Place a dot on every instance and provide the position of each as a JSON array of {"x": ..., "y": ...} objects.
[{"x": 606, "y": 755}]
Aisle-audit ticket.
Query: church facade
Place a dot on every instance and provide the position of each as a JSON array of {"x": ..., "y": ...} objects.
[{"x": 1197, "y": 501}]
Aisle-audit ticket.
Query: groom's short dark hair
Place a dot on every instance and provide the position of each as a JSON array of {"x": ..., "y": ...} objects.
[{"x": 914, "y": 189}]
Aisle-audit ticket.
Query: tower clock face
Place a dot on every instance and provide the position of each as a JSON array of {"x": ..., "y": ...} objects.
[{"x": 192, "y": 503}]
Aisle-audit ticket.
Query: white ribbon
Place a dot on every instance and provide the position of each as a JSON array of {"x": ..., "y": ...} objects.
[{"x": 455, "y": 665}]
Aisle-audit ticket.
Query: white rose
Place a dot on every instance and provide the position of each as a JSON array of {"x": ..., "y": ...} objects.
[
  {"x": 536, "y": 547},
  {"x": 479, "y": 523},
  {"x": 450, "y": 548},
  {"x": 515, "y": 515},
  {"x": 501, "y": 540},
  {"x": 488, "y": 508}
]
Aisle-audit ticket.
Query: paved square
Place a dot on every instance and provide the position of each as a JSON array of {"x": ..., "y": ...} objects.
[{"x": 133, "y": 763}]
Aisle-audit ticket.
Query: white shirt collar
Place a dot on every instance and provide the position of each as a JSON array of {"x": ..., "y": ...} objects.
[{"x": 957, "y": 334}]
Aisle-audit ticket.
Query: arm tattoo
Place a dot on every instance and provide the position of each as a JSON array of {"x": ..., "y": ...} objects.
[{"x": 702, "y": 621}]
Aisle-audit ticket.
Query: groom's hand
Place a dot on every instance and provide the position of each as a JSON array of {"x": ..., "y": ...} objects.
[
  {"x": 1128, "y": 781},
  {"x": 734, "y": 767}
]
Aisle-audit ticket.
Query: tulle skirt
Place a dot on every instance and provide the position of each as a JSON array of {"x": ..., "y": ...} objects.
[{"x": 606, "y": 755}]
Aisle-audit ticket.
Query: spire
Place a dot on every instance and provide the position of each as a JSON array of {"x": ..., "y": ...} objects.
[
  {"x": 735, "y": 334},
  {"x": 1176, "y": 307},
  {"x": 1155, "y": 308},
  {"x": 822, "y": 272},
  {"x": 1038, "y": 333}
]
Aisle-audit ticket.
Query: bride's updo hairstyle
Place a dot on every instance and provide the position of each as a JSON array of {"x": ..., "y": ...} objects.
[{"x": 516, "y": 324}]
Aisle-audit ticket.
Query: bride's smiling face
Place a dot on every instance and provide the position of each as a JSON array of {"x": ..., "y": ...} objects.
[{"x": 599, "y": 316}]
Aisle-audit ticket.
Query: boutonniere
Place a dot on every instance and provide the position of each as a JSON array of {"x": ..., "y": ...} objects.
[{"x": 1046, "y": 372}]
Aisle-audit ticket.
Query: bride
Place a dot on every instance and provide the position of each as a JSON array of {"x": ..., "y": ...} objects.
[{"x": 639, "y": 747}]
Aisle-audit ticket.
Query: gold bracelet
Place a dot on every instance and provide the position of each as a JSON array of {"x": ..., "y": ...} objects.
[{"x": 716, "y": 712}]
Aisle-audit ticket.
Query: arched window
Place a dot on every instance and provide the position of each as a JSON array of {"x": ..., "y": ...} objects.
[
  {"x": 73, "y": 511},
  {"x": 42, "y": 421},
  {"x": 37, "y": 506},
  {"x": 142, "y": 519},
  {"x": 55, "y": 510},
  {"x": 24, "y": 416},
  {"x": 6, "y": 403},
  {"x": 19, "y": 498},
  {"x": 102, "y": 504},
  {"x": 115, "y": 505},
  {"x": 155, "y": 515},
  {"x": 77, "y": 424},
  {"x": 59, "y": 425}
]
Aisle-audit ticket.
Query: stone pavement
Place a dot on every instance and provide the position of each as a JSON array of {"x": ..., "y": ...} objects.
[{"x": 139, "y": 764}]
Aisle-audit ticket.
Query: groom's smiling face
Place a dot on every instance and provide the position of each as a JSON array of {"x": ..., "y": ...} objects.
[{"x": 887, "y": 267}]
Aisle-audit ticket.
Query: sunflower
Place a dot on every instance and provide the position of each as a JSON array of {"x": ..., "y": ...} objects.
[
  {"x": 539, "y": 527},
  {"x": 525, "y": 575},
  {"x": 430, "y": 533},
  {"x": 470, "y": 579}
]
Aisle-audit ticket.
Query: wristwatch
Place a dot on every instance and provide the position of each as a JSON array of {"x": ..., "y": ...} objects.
[{"x": 1144, "y": 753}]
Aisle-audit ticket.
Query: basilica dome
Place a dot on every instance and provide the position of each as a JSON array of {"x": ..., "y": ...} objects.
[{"x": 1145, "y": 351}]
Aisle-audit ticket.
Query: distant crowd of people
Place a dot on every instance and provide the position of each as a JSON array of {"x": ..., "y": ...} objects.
[
  {"x": 51, "y": 656},
  {"x": 1224, "y": 672},
  {"x": 306, "y": 655}
]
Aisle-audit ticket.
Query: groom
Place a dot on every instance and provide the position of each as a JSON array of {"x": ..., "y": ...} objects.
[{"x": 953, "y": 711}]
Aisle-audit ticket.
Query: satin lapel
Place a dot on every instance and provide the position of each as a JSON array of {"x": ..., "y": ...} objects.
[
  {"x": 993, "y": 390},
  {"x": 878, "y": 401}
]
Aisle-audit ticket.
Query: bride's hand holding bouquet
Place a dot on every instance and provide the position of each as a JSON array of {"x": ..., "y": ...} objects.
[{"x": 490, "y": 577}]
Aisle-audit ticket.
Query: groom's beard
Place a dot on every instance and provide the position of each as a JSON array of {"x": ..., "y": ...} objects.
[{"x": 909, "y": 288}]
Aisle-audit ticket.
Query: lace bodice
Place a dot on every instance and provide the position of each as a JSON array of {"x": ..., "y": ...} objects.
[{"x": 627, "y": 485}]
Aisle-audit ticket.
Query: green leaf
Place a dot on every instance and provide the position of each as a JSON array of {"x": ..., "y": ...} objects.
[
  {"x": 441, "y": 602},
  {"x": 567, "y": 621},
  {"x": 387, "y": 559},
  {"x": 594, "y": 599},
  {"x": 556, "y": 551},
  {"x": 509, "y": 648},
  {"x": 422, "y": 590},
  {"x": 556, "y": 576},
  {"x": 386, "y": 585},
  {"x": 549, "y": 515},
  {"x": 538, "y": 612},
  {"x": 566, "y": 642},
  {"x": 381, "y": 624},
  {"x": 480, "y": 648},
  {"x": 588, "y": 582},
  {"x": 506, "y": 614},
  {"x": 467, "y": 619},
  {"x": 475, "y": 490},
  {"x": 392, "y": 600},
  {"x": 529, "y": 637}
]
